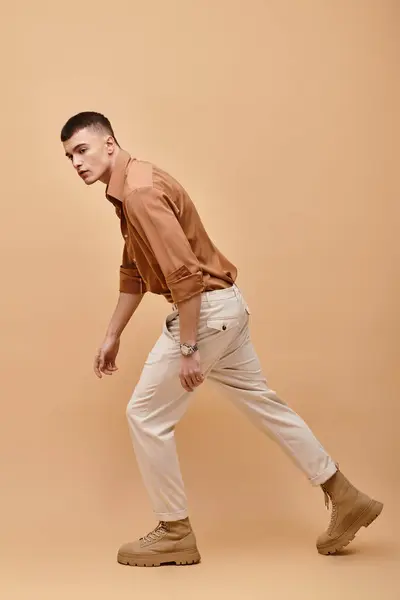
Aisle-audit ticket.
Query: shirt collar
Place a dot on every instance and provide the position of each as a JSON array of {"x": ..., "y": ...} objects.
[{"x": 115, "y": 187}]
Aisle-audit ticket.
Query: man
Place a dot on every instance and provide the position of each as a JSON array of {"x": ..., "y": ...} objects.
[{"x": 206, "y": 335}]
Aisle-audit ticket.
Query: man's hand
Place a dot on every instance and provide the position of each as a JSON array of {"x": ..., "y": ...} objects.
[
  {"x": 190, "y": 373},
  {"x": 104, "y": 361}
]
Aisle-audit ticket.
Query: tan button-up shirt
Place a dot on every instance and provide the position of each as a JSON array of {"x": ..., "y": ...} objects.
[{"x": 167, "y": 250}]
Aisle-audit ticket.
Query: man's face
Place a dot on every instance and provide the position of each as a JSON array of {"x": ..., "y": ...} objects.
[{"x": 91, "y": 153}]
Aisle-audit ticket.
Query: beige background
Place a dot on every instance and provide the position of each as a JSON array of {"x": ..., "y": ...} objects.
[{"x": 281, "y": 119}]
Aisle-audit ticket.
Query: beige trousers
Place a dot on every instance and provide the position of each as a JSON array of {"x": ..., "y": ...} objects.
[{"x": 228, "y": 358}]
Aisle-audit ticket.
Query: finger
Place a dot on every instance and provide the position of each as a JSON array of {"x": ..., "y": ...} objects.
[
  {"x": 193, "y": 380},
  {"x": 184, "y": 383},
  {"x": 187, "y": 384},
  {"x": 110, "y": 369},
  {"x": 96, "y": 366},
  {"x": 196, "y": 378},
  {"x": 199, "y": 377},
  {"x": 101, "y": 363}
]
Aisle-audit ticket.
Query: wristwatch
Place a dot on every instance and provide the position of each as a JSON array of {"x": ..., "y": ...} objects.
[{"x": 188, "y": 349}]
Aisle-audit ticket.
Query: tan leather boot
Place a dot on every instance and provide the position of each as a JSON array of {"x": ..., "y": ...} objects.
[
  {"x": 170, "y": 542},
  {"x": 351, "y": 510}
]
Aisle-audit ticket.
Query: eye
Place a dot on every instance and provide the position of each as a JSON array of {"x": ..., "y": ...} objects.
[{"x": 82, "y": 150}]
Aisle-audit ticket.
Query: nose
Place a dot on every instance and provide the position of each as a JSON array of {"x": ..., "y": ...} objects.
[{"x": 77, "y": 162}]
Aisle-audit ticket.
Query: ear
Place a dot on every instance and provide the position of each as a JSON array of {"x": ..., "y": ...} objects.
[{"x": 110, "y": 144}]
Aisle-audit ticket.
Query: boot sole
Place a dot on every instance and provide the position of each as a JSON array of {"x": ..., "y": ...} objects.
[
  {"x": 187, "y": 557},
  {"x": 367, "y": 517}
]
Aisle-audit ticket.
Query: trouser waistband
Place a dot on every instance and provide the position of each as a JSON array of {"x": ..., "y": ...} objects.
[{"x": 217, "y": 294}]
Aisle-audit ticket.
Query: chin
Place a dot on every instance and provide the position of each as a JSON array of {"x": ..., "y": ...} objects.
[{"x": 90, "y": 180}]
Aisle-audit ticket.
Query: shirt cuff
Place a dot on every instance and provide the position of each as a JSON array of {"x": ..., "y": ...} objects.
[
  {"x": 130, "y": 282},
  {"x": 184, "y": 285}
]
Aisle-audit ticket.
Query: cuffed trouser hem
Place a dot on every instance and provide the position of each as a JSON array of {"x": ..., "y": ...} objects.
[
  {"x": 176, "y": 516},
  {"x": 325, "y": 475}
]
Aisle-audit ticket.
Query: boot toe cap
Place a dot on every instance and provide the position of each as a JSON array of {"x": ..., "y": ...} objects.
[
  {"x": 323, "y": 540},
  {"x": 130, "y": 548}
]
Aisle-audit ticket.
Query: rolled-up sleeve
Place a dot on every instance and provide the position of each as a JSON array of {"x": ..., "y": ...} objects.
[
  {"x": 154, "y": 216},
  {"x": 130, "y": 280}
]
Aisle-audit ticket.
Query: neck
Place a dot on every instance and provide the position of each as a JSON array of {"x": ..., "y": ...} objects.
[{"x": 105, "y": 178}]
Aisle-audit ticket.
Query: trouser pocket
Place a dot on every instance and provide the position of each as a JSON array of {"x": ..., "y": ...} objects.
[
  {"x": 222, "y": 323},
  {"x": 171, "y": 326}
]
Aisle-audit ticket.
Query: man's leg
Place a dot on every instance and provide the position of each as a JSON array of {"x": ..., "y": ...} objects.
[
  {"x": 158, "y": 403},
  {"x": 239, "y": 372},
  {"x": 241, "y": 376},
  {"x": 156, "y": 407}
]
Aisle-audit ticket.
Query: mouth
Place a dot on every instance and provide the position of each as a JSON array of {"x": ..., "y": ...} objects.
[{"x": 83, "y": 173}]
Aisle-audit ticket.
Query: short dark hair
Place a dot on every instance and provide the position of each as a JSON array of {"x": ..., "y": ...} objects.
[{"x": 83, "y": 120}]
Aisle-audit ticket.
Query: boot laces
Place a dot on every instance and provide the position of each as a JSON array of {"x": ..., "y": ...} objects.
[
  {"x": 334, "y": 509},
  {"x": 157, "y": 533}
]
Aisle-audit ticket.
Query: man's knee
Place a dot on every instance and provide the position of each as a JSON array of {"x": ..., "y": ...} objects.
[
  {"x": 140, "y": 408},
  {"x": 135, "y": 407}
]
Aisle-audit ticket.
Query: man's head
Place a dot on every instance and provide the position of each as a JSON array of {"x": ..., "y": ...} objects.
[{"x": 90, "y": 144}]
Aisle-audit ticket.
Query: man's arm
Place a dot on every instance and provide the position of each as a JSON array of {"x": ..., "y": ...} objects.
[
  {"x": 189, "y": 313},
  {"x": 190, "y": 373},
  {"x": 126, "y": 306},
  {"x": 104, "y": 361},
  {"x": 154, "y": 216},
  {"x": 132, "y": 289}
]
